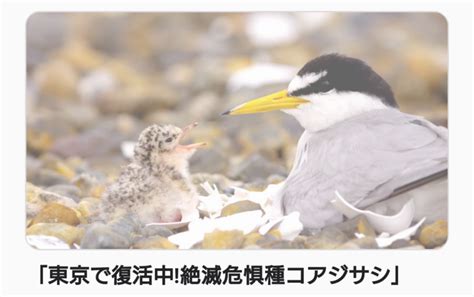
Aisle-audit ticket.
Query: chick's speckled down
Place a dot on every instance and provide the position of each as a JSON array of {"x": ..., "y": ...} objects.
[{"x": 155, "y": 187}]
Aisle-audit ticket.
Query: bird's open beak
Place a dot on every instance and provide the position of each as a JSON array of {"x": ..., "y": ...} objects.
[
  {"x": 275, "y": 101},
  {"x": 189, "y": 146}
]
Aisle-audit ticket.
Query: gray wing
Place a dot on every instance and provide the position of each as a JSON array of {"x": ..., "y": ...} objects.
[{"x": 365, "y": 158}]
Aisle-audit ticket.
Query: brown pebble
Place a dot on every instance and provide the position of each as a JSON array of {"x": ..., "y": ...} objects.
[
  {"x": 56, "y": 213},
  {"x": 223, "y": 240},
  {"x": 434, "y": 235}
]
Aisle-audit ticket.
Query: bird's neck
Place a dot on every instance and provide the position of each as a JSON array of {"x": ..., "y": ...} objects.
[
  {"x": 326, "y": 110},
  {"x": 163, "y": 163}
]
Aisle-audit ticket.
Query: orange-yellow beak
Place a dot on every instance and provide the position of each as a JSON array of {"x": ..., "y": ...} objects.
[{"x": 275, "y": 101}]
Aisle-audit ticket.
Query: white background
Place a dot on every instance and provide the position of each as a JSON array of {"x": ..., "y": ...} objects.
[{"x": 447, "y": 270}]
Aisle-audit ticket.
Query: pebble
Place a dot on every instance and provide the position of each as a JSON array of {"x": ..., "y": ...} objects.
[
  {"x": 67, "y": 190},
  {"x": 251, "y": 239},
  {"x": 89, "y": 185},
  {"x": 38, "y": 141},
  {"x": 44, "y": 242},
  {"x": 255, "y": 168},
  {"x": 328, "y": 238},
  {"x": 209, "y": 160},
  {"x": 139, "y": 99},
  {"x": 32, "y": 210},
  {"x": 413, "y": 247},
  {"x": 268, "y": 240},
  {"x": 100, "y": 141},
  {"x": 204, "y": 106},
  {"x": 360, "y": 243},
  {"x": 53, "y": 197},
  {"x": 57, "y": 79},
  {"x": 400, "y": 243},
  {"x": 37, "y": 198},
  {"x": 269, "y": 141},
  {"x": 434, "y": 235},
  {"x": 47, "y": 178},
  {"x": 223, "y": 240},
  {"x": 80, "y": 55},
  {"x": 240, "y": 206},
  {"x": 404, "y": 244},
  {"x": 154, "y": 242},
  {"x": 272, "y": 240},
  {"x": 89, "y": 207},
  {"x": 67, "y": 233},
  {"x": 100, "y": 236},
  {"x": 222, "y": 183},
  {"x": 84, "y": 182},
  {"x": 127, "y": 225},
  {"x": 154, "y": 230},
  {"x": 33, "y": 165},
  {"x": 79, "y": 115},
  {"x": 56, "y": 213},
  {"x": 34, "y": 203},
  {"x": 275, "y": 179},
  {"x": 358, "y": 224},
  {"x": 286, "y": 244}
]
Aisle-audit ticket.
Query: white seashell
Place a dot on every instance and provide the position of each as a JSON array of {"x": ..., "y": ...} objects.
[
  {"x": 382, "y": 223},
  {"x": 213, "y": 203},
  {"x": 268, "y": 226},
  {"x": 185, "y": 240},
  {"x": 269, "y": 199},
  {"x": 289, "y": 226},
  {"x": 46, "y": 242},
  {"x": 272, "y": 216},
  {"x": 384, "y": 241},
  {"x": 245, "y": 221}
]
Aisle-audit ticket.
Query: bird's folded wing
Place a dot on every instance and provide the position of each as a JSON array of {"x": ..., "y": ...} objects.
[{"x": 365, "y": 158}]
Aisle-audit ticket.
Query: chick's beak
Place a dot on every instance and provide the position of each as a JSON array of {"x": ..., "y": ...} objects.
[
  {"x": 189, "y": 146},
  {"x": 275, "y": 101}
]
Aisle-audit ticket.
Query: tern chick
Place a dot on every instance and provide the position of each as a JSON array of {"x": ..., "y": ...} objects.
[{"x": 156, "y": 186}]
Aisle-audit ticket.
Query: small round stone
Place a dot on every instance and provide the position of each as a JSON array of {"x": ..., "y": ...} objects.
[
  {"x": 434, "y": 235},
  {"x": 56, "y": 213},
  {"x": 223, "y": 240},
  {"x": 240, "y": 206},
  {"x": 154, "y": 242},
  {"x": 100, "y": 236},
  {"x": 67, "y": 233}
]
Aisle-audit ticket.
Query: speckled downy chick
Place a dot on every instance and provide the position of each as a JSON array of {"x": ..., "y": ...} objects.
[{"x": 156, "y": 186}]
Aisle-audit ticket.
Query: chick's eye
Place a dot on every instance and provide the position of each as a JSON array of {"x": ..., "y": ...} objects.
[
  {"x": 325, "y": 86},
  {"x": 169, "y": 139}
]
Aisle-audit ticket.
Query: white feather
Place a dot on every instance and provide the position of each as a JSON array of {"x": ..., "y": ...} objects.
[
  {"x": 300, "y": 82},
  {"x": 330, "y": 108}
]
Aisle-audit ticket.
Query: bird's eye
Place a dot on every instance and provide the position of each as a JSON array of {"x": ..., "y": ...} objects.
[
  {"x": 169, "y": 139},
  {"x": 325, "y": 86}
]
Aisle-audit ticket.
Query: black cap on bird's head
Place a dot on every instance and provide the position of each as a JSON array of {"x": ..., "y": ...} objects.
[
  {"x": 343, "y": 74},
  {"x": 331, "y": 76}
]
